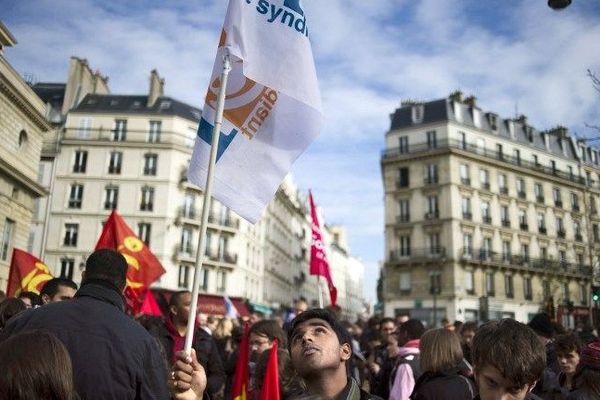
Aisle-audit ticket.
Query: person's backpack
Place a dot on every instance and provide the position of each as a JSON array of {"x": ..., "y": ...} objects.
[{"x": 413, "y": 361}]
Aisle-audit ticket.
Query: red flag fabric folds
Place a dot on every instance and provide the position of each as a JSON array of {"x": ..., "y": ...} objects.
[
  {"x": 150, "y": 306},
  {"x": 318, "y": 259},
  {"x": 144, "y": 267},
  {"x": 239, "y": 391},
  {"x": 270, "y": 387},
  {"x": 27, "y": 274}
]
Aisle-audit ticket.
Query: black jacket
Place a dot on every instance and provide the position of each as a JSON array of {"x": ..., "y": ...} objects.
[
  {"x": 206, "y": 351},
  {"x": 113, "y": 356},
  {"x": 448, "y": 385}
]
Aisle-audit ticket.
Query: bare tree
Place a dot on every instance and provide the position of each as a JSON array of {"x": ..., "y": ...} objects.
[{"x": 596, "y": 83}]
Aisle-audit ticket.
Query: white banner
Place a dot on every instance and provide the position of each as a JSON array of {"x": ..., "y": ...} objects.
[{"x": 272, "y": 107}]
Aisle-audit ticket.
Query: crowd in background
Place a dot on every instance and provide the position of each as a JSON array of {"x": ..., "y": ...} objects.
[{"x": 87, "y": 347}]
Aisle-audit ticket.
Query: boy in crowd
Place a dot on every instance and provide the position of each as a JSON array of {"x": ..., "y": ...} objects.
[{"x": 508, "y": 360}]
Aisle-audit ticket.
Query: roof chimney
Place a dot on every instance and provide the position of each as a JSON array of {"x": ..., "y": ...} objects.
[
  {"x": 456, "y": 96},
  {"x": 157, "y": 86},
  {"x": 522, "y": 119},
  {"x": 471, "y": 101}
]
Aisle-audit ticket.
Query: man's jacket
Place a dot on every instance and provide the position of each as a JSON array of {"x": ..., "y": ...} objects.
[{"x": 113, "y": 357}]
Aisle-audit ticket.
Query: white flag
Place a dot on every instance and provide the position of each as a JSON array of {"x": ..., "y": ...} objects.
[{"x": 272, "y": 107}]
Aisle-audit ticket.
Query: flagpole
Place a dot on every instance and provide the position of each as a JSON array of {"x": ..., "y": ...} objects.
[
  {"x": 320, "y": 291},
  {"x": 207, "y": 200}
]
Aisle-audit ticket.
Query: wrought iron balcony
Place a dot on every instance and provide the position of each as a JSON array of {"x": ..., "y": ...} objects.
[{"x": 409, "y": 255}]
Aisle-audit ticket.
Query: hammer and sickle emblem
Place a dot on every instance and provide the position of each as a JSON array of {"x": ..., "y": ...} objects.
[{"x": 38, "y": 275}]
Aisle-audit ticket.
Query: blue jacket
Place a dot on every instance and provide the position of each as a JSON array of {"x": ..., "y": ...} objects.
[{"x": 113, "y": 356}]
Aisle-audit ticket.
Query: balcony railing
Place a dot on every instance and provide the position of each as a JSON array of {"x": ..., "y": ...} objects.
[
  {"x": 485, "y": 185},
  {"x": 558, "y": 203},
  {"x": 432, "y": 215},
  {"x": 224, "y": 220},
  {"x": 506, "y": 223},
  {"x": 465, "y": 181},
  {"x": 487, "y": 153},
  {"x": 575, "y": 207},
  {"x": 403, "y": 219},
  {"x": 578, "y": 237},
  {"x": 524, "y": 227},
  {"x": 542, "y": 230},
  {"x": 561, "y": 233},
  {"x": 486, "y": 220},
  {"x": 490, "y": 257},
  {"x": 467, "y": 215},
  {"x": 418, "y": 254},
  {"x": 430, "y": 180},
  {"x": 522, "y": 195},
  {"x": 540, "y": 199},
  {"x": 504, "y": 190}
]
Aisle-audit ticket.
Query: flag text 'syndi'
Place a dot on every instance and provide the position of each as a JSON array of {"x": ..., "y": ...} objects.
[{"x": 272, "y": 108}]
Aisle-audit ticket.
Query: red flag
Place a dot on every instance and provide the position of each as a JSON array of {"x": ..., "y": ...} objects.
[
  {"x": 270, "y": 387},
  {"x": 144, "y": 267},
  {"x": 239, "y": 390},
  {"x": 150, "y": 306},
  {"x": 318, "y": 259},
  {"x": 27, "y": 274}
]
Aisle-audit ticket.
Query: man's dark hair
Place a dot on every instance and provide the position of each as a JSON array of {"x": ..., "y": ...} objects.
[
  {"x": 175, "y": 298},
  {"x": 320, "y": 313},
  {"x": 413, "y": 329},
  {"x": 564, "y": 344},
  {"x": 511, "y": 347},
  {"x": 106, "y": 265},
  {"x": 35, "y": 298},
  {"x": 469, "y": 326},
  {"x": 271, "y": 329},
  {"x": 385, "y": 321},
  {"x": 51, "y": 287}
]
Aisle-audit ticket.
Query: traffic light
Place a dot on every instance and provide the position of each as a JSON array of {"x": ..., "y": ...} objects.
[{"x": 595, "y": 293}]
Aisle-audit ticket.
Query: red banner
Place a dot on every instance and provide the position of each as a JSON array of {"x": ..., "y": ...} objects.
[
  {"x": 27, "y": 274},
  {"x": 144, "y": 267},
  {"x": 318, "y": 259},
  {"x": 239, "y": 390},
  {"x": 270, "y": 387}
]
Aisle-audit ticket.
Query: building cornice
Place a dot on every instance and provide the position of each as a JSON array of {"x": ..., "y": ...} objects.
[{"x": 32, "y": 186}]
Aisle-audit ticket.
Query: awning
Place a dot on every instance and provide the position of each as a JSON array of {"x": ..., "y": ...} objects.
[
  {"x": 210, "y": 304},
  {"x": 261, "y": 308}
]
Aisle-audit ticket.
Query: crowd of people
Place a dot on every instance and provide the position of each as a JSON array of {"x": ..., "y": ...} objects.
[{"x": 89, "y": 348}]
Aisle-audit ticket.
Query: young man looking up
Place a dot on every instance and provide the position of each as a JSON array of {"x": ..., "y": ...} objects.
[
  {"x": 508, "y": 360},
  {"x": 320, "y": 349}
]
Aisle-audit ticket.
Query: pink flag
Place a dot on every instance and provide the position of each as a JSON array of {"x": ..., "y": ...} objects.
[{"x": 318, "y": 259}]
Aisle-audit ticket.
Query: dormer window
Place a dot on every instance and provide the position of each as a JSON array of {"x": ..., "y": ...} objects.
[
  {"x": 418, "y": 112},
  {"x": 493, "y": 121},
  {"x": 476, "y": 117}
]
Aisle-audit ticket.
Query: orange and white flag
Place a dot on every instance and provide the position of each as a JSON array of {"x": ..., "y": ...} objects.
[{"x": 272, "y": 108}]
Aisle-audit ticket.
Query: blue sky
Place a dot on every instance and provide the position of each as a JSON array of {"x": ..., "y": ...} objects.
[{"x": 370, "y": 55}]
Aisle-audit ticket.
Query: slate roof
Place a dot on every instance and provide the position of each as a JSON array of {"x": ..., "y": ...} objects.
[
  {"x": 94, "y": 103},
  {"x": 443, "y": 110}
]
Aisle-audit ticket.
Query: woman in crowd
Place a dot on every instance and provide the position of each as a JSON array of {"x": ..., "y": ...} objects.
[
  {"x": 441, "y": 359},
  {"x": 35, "y": 365}
]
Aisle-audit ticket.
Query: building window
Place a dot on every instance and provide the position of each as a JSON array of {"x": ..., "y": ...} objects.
[
  {"x": 431, "y": 139},
  {"x": 186, "y": 240},
  {"x": 71, "y": 231},
  {"x": 432, "y": 208},
  {"x": 506, "y": 251},
  {"x": 404, "y": 246},
  {"x": 489, "y": 284},
  {"x": 7, "y": 237},
  {"x": 405, "y": 283},
  {"x": 150, "y": 161},
  {"x": 204, "y": 279},
  {"x": 80, "y": 162},
  {"x": 434, "y": 244},
  {"x": 486, "y": 216},
  {"x": 500, "y": 151},
  {"x": 583, "y": 296},
  {"x": 431, "y": 174},
  {"x": 566, "y": 292},
  {"x": 543, "y": 253},
  {"x": 84, "y": 128},
  {"x": 577, "y": 230},
  {"x": 67, "y": 266},
  {"x": 541, "y": 222},
  {"x": 504, "y": 216},
  {"x": 562, "y": 257},
  {"x": 467, "y": 245},
  {"x": 463, "y": 140},
  {"x": 595, "y": 233},
  {"x": 517, "y": 156},
  {"x": 154, "y": 132},
  {"x": 553, "y": 167},
  {"x": 556, "y": 197},
  {"x": 144, "y": 232},
  {"x": 574, "y": 201},
  {"x": 189, "y": 205},
  {"x": 221, "y": 281},
  {"x": 538, "y": 190},
  {"x": 560, "y": 227},
  {"x": 147, "y": 202},
  {"x": 403, "y": 175},
  {"x": 525, "y": 252},
  {"x": 527, "y": 290},
  {"x": 111, "y": 197},
  {"x": 521, "y": 188},
  {"x": 535, "y": 160},
  {"x": 184, "y": 273},
  {"x": 465, "y": 175},
  {"x": 114, "y": 163},
  {"x": 120, "y": 130},
  {"x": 466, "y": 208},
  {"x": 502, "y": 184},
  {"x": 485, "y": 252},
  {"x": 470, "y": 282},
  {"x": 523, "y": 219},
  {"x": 403, "y": 144},
  {"x": 509, "y": 289},
  {"x": 76, "y": 196},
  {"x": 484, "y": 179}
]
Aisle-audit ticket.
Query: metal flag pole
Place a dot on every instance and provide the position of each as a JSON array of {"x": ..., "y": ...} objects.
[
  {"x": 320, "y": 291},
  {"x": 189, "y": 336}
]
